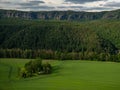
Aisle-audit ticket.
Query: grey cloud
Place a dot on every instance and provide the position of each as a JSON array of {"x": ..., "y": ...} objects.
[
  {"x": 70, "y": 7},
  {"x": 36, "y": 5},
  {"x": 73, "y": 8},
  {"x": 76, "y": 6},
  {"x": 96, "y": 8},
  {"x": 4, "y": 2},
  {"x": 112, "y": 4},
  {"x": 62, "y": 7},
  {"x": 31, "y": 3},
  {"x": 35, "y": 2},
  {"x": 35, "y": 8},
  {"x": 82, "y": 1},
  {"x": 81, "y": 8}
]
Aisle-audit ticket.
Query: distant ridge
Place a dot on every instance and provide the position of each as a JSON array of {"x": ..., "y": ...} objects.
[{"x": 60, "y": 15}]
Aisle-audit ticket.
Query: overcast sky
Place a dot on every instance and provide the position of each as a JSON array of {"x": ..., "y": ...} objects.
[{"x": 61, "y": 5}]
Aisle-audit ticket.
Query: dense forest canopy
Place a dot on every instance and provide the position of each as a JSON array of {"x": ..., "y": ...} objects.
[
  {"x": 98, "y": 36},
  {"x": 94, "y": 37},
  {"x": 59, "y": 39}
]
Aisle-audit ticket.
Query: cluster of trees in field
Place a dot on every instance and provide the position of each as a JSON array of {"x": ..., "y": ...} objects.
[
  {"x": 60, "y": 39},
  {"x": 35, "y": 67}
]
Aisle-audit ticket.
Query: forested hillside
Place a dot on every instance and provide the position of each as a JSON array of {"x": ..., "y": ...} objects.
[
  {"x": 60, "y": 15},
  {"x": 98, "y": 39}
]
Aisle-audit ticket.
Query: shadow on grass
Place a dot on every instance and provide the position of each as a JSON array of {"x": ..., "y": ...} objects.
[
  {"x": 10, "y": 69},
  {"x": 56, "y": 69}
]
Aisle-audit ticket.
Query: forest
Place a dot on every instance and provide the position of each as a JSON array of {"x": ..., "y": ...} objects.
[{"x": 63, "y": 40}]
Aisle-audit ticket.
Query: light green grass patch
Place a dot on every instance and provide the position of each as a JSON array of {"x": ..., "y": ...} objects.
[{"x": 66, "y": 75}]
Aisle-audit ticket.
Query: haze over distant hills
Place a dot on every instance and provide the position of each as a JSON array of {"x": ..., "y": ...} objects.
[{"x": 60, "y": 15}]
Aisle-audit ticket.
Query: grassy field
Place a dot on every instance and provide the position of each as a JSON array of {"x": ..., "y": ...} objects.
[{"x": 67, "y": 75}]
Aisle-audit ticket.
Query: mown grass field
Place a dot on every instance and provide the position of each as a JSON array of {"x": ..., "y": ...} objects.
[{"x": 67, "y": 75}]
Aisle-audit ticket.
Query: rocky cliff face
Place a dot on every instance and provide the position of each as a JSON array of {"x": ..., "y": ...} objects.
[{"x": 60, "y": 15}]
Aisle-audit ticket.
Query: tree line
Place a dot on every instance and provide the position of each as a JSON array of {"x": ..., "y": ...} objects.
[{"x": 57, "y": 55}]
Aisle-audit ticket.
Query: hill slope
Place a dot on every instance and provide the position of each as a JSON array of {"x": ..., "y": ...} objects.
[{"x": 98, "y": 36}]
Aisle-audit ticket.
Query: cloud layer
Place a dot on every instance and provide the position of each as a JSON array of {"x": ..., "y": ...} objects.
[
  {"x": 60, "y": 5},
  {"x": 82, "y": 1}
]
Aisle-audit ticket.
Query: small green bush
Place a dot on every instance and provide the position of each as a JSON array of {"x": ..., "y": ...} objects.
[{"x": 35, "y": 67}]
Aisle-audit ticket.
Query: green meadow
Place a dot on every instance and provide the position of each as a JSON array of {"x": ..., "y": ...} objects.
[{"x": 66, "y": 75}]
